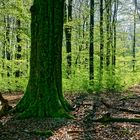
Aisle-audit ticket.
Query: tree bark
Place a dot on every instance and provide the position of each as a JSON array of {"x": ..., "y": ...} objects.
[
  {"x": 114, "y": 36},
  {"x": 18, "y": 55},
  {"x": 18, "y": 47},
  {"x": 108, "y": 4},
  {"x": 91, "y": 47},
  {"x": 43, "y": 96},
  {"x": 68, "y": 29},
  {"x": 101, "y": 40},
  {"x": 134, "y": 36}
]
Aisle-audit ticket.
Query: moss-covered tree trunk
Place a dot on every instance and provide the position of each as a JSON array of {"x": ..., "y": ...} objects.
[{"x": 43, "y": 96}]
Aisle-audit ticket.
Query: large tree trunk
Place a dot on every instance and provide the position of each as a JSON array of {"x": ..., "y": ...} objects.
[{"x": 43, "y": 96}]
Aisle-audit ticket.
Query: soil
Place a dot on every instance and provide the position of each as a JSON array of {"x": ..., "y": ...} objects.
[{"x": 88, "y": 108}]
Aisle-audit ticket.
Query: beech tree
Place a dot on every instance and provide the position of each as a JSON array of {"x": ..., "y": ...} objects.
[
  {"x": 43, "y": 96},
  {"x": 101, "y": 39},
  {"x": 114, "y": 22},
  {"x": 134, "y": 35},
  {"x": 91, "y": 46},
  {"x": 108, "y": 4},
  {"x": 68, "y": 30}
]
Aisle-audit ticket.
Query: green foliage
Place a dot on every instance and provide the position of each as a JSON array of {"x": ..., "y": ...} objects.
[
  {"x": 14, "y": 44},
  {"x": 79, "y": 79},
  {"x": 13, "y": 84},
  {"x": 77, "y": 82}
]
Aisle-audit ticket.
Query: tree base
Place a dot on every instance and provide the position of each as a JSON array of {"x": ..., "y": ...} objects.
[{"x": 30, "y": 108}]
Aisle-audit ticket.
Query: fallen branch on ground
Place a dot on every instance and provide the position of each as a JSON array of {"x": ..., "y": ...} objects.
[
  {"x": 120, "y": 109},
  {"x": 107, "y": 119},
  {"x": 130, "y": 98}
]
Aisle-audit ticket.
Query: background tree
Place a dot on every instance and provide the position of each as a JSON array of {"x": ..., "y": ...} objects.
[
  {"x": 91, "y": 47},
  {"x": 68, "y": 28},
  {"x": 108, "y": 13},
  {"x": 114, "y": 30},
  {"x": 134, "y": 34},
  {"x": 14, "y": 24},
  {"x": 18, "y": 47},
  {"x": 101, "y": 39}
]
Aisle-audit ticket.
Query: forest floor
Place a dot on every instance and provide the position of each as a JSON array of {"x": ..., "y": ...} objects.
[{"x": 88, "y": 108}]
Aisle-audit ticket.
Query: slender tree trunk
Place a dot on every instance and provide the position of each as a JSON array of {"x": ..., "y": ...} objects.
[
  {"x": 101, "y": 40},
  {"x": 6, "y": 51},
  {"x": 7, "y": 39},
  {"x": 43, "y": 96},
  {"x": 18, "y": 47},
  {"x": 91, "y": 47},
  {"x": 108, "y": 4},
  {"x": 68, "y": 29},
  {"x": 114, "y": 44},
  {"x": 114, "y": 36},
  {"x": 18, "y": 54},
  {"x": 134, "y": 36}
]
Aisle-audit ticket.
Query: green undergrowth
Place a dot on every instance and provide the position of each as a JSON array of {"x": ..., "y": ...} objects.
[
  {"x": 10, "y": 84},
  {"x": 79, "y": 81}
]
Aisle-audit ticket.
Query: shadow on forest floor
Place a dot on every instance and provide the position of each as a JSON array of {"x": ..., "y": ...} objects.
[{"x": 88, "y": 108}]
